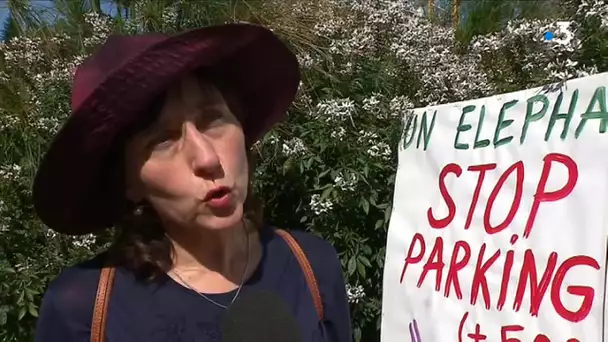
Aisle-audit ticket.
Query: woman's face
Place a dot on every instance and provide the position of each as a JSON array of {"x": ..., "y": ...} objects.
[{"x": 191, "y": 164}]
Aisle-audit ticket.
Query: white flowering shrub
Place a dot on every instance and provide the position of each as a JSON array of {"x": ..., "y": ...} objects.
[
  {"x": 330, "y": 168},
  {"x": 520, "y": 56},
  {"x": 35, "y": 75}
]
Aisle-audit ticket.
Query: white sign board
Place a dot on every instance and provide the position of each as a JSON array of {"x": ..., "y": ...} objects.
[{"x": 500, "y": 220}]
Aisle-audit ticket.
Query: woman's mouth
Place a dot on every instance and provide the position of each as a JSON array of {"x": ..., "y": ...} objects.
[{"x": 219, "y": 197}]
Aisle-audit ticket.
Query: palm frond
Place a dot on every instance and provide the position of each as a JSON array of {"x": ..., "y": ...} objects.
[
  {"x": 24, "y": 15},
  {"x": 10, "y": 28}
]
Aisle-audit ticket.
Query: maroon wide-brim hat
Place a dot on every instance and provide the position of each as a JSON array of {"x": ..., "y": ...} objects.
[{"x": 78, "y": 189}]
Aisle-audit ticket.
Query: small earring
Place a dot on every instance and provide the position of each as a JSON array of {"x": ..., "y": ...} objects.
[{"x": 138, "y": 211}]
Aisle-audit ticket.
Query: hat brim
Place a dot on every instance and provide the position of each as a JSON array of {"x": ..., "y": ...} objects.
[{"x": 76, "y": 191}]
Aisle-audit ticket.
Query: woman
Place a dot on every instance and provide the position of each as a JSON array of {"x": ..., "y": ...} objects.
[{"x": 156, "y": 146}]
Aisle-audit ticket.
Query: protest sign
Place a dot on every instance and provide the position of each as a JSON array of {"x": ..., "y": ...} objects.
[{"x": 500, "y": 220}]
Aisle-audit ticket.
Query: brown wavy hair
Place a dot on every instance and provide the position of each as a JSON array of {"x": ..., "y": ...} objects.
[{"x": 140, "y": 242}]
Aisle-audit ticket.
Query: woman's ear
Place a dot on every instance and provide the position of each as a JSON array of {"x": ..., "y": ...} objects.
[{"x": 132, "y": 183}]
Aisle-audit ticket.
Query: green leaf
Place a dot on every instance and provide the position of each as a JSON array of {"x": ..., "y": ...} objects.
[
  {"x": 22, "y": 312},
  {"x": 361, "y": 269},
  {"x": 32, "y": 310},
  {"x": 357, "y": 333},
  {"x": 379, "y": 224},
  {"x": 382, "y": 206},
  {"x": 309, "y": 163},
  {"x": 366, "y": 249},
  {"x": 4, "y": 314},
  {"x": 387, "y": 214},
  {"x": 21, "y": 297},
  {"x": 365, "y": 261},
  {"x": 352, "y": 265},
  {"x": 328, "y": 185},
  {"x": 322, "y": 174},
  {"x": 287, "y": 165},
  {"x": 326, "y": 192},
  {"x": 29, "y": 295},
  {"x": 365, "y": 205},
  {"x": 372, "y": 199}
]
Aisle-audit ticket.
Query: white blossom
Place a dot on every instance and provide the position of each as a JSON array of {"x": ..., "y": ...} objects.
[
  {"x": 400, "y": 106},
  {"x": 380, "y": 149},
  {"x": 367, "y": 137},
  {"x": 4, "y": 220},
  {"x": 49, "y": 233},
  {"x": 337, "y": 132},
  {"x": 8, "y": 121},
  {"x": 294, "y": 147},
  {"x": 170, "y": 16},
  {"x": 355, "y": 293},
  {"x": 555, "y": 57},
  {"x": 372, "y": 103},
  {"x": 306, "y": 60},
  {"x": 84, "y": 241},
  {"x": 594, "y": 9},
  {"x": 101, "y": 25},
  {"x": 346, "y": 183},
  {"x": 376, "y": 147},
  {"x": 335, "y": 109},
  {"x": 10, "y": 172},
  {"x": 320, "y": 206}
]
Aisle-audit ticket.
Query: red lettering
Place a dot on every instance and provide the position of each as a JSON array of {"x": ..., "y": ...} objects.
[
  {"x": 479, "y": 277},
  {"x": 514, "y": 328},
  {"x": 477, "y": 336},
  {"x": 583, "y": 291},
  {"x": 435, "y": 262},
  {"x": 537, "y": 290},
  {"x": 504, "y": 283},
  {"x": 529, "y": 279},
  {"x": 506, "y": 275},
  {"x": 482, "y": 174},
  {"x": 509, "y": 328},
  {"x": 541, "y": 338},
  {"x": 455, "y": 266},
  {"x": 519, "y": 187},
  {"x": 449, "y": 201},
  {"x": 409, "y": 259},
  {"x": 463, "y": 320},
  {"x": 541, "y": 195}
]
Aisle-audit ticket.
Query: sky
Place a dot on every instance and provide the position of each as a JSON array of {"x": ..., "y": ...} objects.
[{"x": 107, "y": 7}]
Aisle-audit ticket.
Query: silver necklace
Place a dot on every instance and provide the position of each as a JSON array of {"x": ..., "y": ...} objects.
[{"x": 238, "y": 288}]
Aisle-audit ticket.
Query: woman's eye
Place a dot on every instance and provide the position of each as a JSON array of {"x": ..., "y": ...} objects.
[
  {"x": 211, "y": 117},
  {"x": 164, "y": 140},
  {"x": 214, "y": 122}
]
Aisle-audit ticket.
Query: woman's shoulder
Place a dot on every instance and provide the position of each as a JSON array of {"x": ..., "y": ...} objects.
[
  {"x": 329, "y": 276},
  {"x": 313, "y": 244},
  {"x": 72, "y": 292},
  {"x": 321, "y": 254},
  {"x": 309, "y": 242}
]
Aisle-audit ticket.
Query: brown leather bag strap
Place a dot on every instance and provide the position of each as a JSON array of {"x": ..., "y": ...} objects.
[
  {"x": 104, "y": 288},
  {"x": 305, "y": 265}
]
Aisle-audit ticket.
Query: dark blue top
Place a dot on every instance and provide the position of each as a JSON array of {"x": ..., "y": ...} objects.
[{"x": 165, "y": 311}]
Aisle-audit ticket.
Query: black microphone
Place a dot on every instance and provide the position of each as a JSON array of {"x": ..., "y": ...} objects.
[{"x": 259, "y": 316}]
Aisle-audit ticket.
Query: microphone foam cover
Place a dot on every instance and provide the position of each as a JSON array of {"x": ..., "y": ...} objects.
[{"x": 258, "y": 316}]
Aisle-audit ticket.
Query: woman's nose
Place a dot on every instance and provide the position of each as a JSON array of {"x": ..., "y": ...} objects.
[{"x": 200, "y": 153}]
